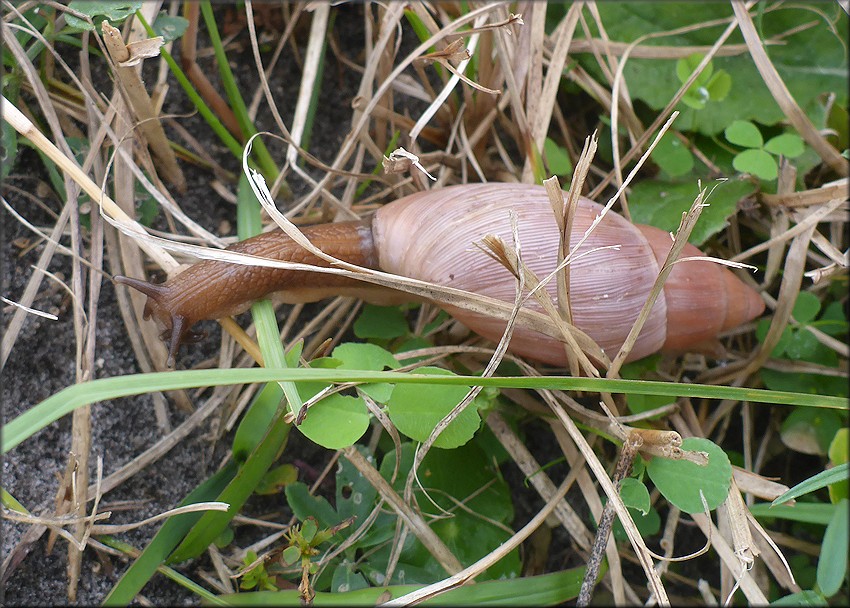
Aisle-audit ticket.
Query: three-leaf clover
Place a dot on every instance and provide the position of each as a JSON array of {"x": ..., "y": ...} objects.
[
  {"x": 758, "y": 159},
  {"x": 708, "y": 86}
]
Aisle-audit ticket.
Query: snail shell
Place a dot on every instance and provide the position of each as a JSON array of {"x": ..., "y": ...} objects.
[{"x": 430, "y": 235}]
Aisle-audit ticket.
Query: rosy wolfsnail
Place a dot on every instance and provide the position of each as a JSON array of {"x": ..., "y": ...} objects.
[{"x": 430, "y": 235}]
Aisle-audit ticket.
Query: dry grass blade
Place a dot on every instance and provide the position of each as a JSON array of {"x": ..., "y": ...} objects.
[
  {"x": 686, "y": 226},
  {"x": 23, "y": 126},
  {"x": 138, "y": 99}
]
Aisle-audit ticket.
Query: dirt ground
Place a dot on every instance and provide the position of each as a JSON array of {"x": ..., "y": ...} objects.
[{"x": 42, "y": 362}]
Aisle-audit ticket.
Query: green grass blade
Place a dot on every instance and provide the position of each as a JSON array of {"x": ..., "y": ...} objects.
[
  {"x": 78, "y": 395},
  {"x": 816, "y": 482},
  {"x": 171, "y": 573},
  {"x": 544, "y": 590},
  {"x": 211, "y": 524},
  {"x": 806, "y": 512},
  {"x": 163, "y": 543},
  {"x": 237, "y": 104}
]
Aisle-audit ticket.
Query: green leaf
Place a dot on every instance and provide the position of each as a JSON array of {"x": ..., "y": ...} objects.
[
  {"x": 291, "y": 555},
  {"x": 383, "y": 322},
  {"x": 811, "y": 62},
  {"x": 789, "y": 145},
  {"x": 673, "y": 156},
  {"x": 635, "y": 495},
  {"x": 355, "y": 496},
  {"x": 810, "y": 432},
  {"x": 806, "y": 307},
  {"x": 648, "y": 525},
  {"x": 467, "y": 476},
  {"x": 838, "y": 454},
  {"x": 557, "y": 158},
  {"x": 756, "y": 162},
  {"x": 346, "y": 579},
  {"x": 336, "y": 422},
  {"x": 277, "y": 479},
  {"x": 417, "y": 408},
  {"x": 304, "y": 505},
  {"x": 661, "y": 204},
  {"x": 170, "y": 28},
  {"x": 686, "y": 65},
  {"x": 367, "y": 357},
  {"x": 816, "y": 482},
  {"x": 720, "y": 85},
  {"x": 744, "y": 133},
  {"x": 309, "y": 527},
  {"x": 112, "y": 10},
  {"x": 802, "y": 598},
  {"x": 832, "y": 562},
  {"x": 802, "y": 346},
  {"x": 680, "y": 481}
]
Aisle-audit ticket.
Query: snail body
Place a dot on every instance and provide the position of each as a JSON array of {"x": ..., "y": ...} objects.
[{"x": 430, "y": 235}]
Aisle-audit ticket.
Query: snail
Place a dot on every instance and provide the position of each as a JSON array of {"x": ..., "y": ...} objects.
[{"x": 430, "y": 235}]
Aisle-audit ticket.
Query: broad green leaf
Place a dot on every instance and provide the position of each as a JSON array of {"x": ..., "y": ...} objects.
[
  {"x": 336, "y": 422},
  {"x": 557, "y": 158},
  {"x": 417, "y": 408},
  {"x": 673, "y": 156},
  {"x": 744, "y": 133},
  {"x": 635, "y": 495},
  {"x": 802, "y": 346},
  {"x": 355, "y": 496},
  {"x": 810, "y": 432},
  {"x": 114, "y": 11},
  {"x": 822, "y": 479},
  {"x": 648, "y": 525},
  {"x": 789, "y": 145},
  {"x": 363, "y": 356},
  {"x": 367, "y": 356},
  {"x": 719, "y": 86},
  {"x": 832, "y": 562},
  {"x": 762, "y": 328},
  {"x": 304, "y": 505},
  {"x": 686, "y": 65},
  {"x": 345, "y": 579},
  {"x": 680, "y": 481},
  {"x": 661, "y": 204},
  {"x": 384, "y": 322},
  {"x": 277, "y": 479},
  {"x": 467, "y": 476},
  {"x": 756, "y": 162},
  {"x": 811, "y": 62},
  {"x": 806, "y": 307},
  {"x": 803, "y": 598},
  {"x": 170, "y": 28}
]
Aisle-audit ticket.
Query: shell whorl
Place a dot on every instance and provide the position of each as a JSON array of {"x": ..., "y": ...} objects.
[{"x": 430, "y": 236}]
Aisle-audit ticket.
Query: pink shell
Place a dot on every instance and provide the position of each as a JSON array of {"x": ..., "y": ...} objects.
[{"x": 417, "y": 237}]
